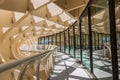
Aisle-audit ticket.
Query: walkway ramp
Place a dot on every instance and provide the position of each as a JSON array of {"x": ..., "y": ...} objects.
[{"x": 68, "y": 68}]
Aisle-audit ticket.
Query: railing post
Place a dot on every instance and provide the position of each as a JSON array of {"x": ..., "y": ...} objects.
[
  {"x": 113, "y": 39},
  {"x": 90, "y": 39}
]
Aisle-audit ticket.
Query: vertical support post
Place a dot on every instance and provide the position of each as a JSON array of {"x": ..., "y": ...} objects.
[
  {"x": 106, "y": 38},
  {"x": 41, "y": 41},
  {"x": 102, "y": 40},
  {"x": 90, "y": 39},
  {"x": 76, "y": 41},
  {"x": 38, "y": 41},
  {"x": 119, "y": 36},
  {"x": 64, "y": 42},
  {"x": 113, "y": 39},
  {"x": 44, "y": 42},
  {"x": 48, "y": 40},
  {"x": 54, "y": 42},
  {"x": 80, "y": 30},
  {"x": 74, "y": 44},
  {"x": 95, "y": 40},
  {"x": 60, "y": 40},
  {"x": 37, "y": 71},
  {"x": 56, "y": 38},
  {"x": 85, "y": 41},
  {"x": 98, "y": 41},
  {"x": 52, "y": 39},
  {"x": 69, "y": 39}
]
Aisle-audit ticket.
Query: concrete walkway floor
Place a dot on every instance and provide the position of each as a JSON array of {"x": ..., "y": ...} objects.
[{"x": 68, "y": 68}]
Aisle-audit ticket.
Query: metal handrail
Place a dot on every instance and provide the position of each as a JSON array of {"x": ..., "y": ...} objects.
[{"x": 12, "y": 64}]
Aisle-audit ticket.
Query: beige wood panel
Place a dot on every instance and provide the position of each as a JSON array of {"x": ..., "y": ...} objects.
[
  {"x": 15, "y": 5},
  {"x": 5, "y": 18}
]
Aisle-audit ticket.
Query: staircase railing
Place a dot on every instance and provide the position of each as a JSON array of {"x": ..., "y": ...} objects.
[{"x": 37, "y": 67}]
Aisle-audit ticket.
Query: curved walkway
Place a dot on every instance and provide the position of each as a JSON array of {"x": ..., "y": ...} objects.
[{"x": 68, "y": 68}]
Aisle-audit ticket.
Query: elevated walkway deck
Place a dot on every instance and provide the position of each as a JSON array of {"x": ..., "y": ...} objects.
[{"x": 68, "y": 68}]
